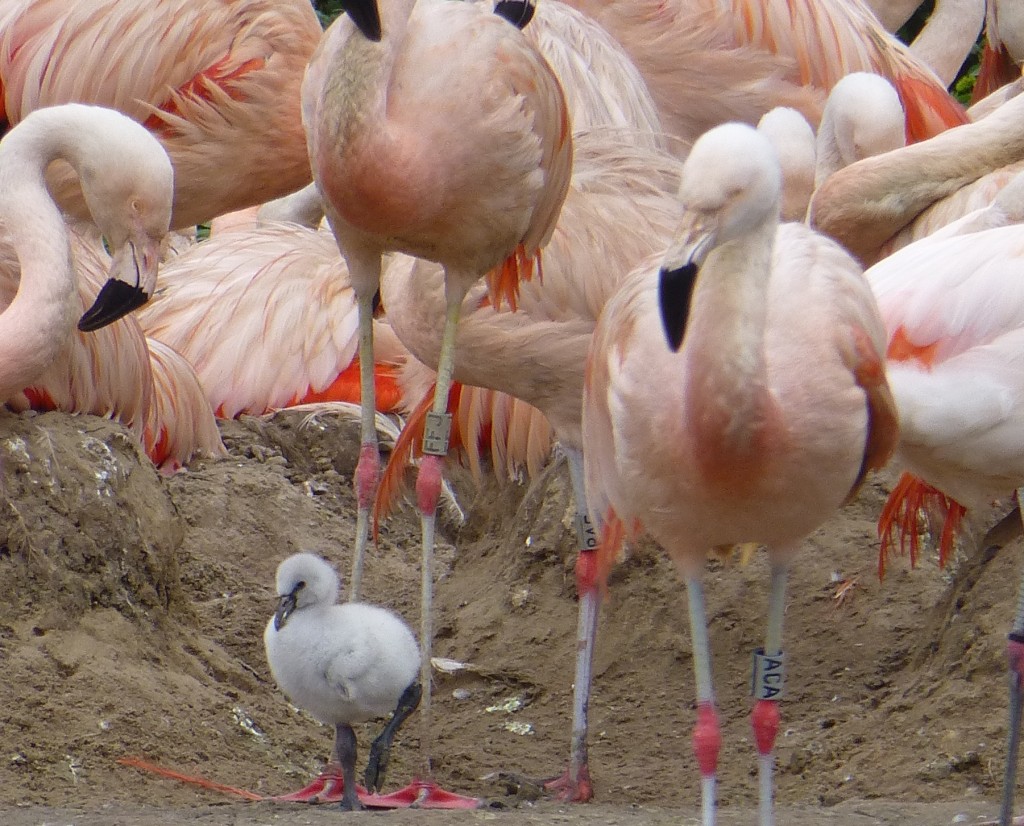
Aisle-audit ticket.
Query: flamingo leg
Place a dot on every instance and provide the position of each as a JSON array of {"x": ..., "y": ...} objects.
[
  {"x": 1015, "y": 655},
  {"x": 380, "y": 751},
  {"x": 767, "y": 688},
  {"x": 426, "y": 793},
  {"x": 707, "y": 736},
  {"x": 367, "y": 474},
  {"x": 575, "y": 785},
  {"x": 345, "y": 751}
]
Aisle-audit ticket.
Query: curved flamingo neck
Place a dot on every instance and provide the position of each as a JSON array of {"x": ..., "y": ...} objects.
[
  {"x": 727, "y": 398},
  {"x": 39, "y": 321}
]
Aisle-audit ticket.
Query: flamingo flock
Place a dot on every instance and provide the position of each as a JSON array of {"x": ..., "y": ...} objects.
[{"x": 537, "y": 212}]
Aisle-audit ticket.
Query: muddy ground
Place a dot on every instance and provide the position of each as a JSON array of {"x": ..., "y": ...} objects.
[{"x": 132, "y": 607}]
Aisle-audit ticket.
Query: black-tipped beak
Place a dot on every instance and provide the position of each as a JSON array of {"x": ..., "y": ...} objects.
[
  {"x": 517, "y": 12},
  {"x": 116, "y": 300},
  {"x": 284, "y": 610},
  {"x": 366, "y": 16},
  {"x": 675, "y": 289}
]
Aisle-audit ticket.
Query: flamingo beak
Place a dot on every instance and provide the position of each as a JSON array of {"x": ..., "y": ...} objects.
[
  {"x": 678, "y": 276},
  {"x": 366, "y": 16},
  {"x": 675, "y": 289},
  {"x": 130, "y": 282},
  {"x": 517, "y": 12},
  {"x": 284, "y": 610}
]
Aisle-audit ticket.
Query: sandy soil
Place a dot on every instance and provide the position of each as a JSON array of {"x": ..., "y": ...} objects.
[{"x": 133, "y": 605}]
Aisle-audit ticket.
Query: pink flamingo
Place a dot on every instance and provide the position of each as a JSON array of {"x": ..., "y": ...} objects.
[
  {"x": 770, "y": 409},
  {"x": 620, "y": 208},
  {"x": 866, "y": 204},
  {"x": 126, "y": 179},
  {"x": 947, "y": 37},
  {"x": 216, "y": 80},
  {"x": 953, "y": 307},
  {"x": 294, "y": 326},
  {"x": 707, "y": 61},
  {"x": 1003, "y": 54},
  {"x": 439, "y": 76}
]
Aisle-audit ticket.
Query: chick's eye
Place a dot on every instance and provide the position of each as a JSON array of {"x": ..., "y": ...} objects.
[{"x": 300, "y": 584}]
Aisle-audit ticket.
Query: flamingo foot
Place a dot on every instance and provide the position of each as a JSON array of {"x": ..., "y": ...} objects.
[
  {"x": 421, "y": 794},
  {"x": 326, "y": 788},
  {"x": 566, "y": 790},
  {"x": 329, "y": 787}
]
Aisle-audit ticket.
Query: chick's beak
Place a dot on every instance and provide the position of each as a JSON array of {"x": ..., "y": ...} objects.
[{"x": 284, "y": 610}]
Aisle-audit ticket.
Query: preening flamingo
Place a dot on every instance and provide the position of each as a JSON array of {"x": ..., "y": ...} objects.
[
  {"x": 216, "y": 80},
  {"x": 862, "y": 118},
  {"x": 432, "y": 77},
  {"x": 126, "y": 179},
  {"x": 953, "y": 306},
  {"x": 293, "y": 333},
  {"x": 620, "y": 208},
  {"x": 866, "y": 204},
  {"x": 343, "y": 664},
  {"x": 772, "y": 401},
  {"x": 708, "y": 61}
]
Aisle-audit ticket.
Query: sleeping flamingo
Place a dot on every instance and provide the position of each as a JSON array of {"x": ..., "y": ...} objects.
[
  {"x": 770, "y": 409},
  {"x": 217, "y": 81},
  {"x": 448, "y": 75}
]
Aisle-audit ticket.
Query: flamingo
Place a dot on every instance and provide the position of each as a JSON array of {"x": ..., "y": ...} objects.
[
  {"x": 217, "y": 81},
  {"x": 602, "y": 85},
  {"x": 620, "y": 207},
  {"x": 432, "y": 76},
  {"x": 127, "y": 181},
  {"x": 866, "y": 204},
  {"x": 1004, "y": 48},
  {"x": 793, "y": 140},
  {"x": 947, "y": 37},
  {"x": 770, "y": 409},
  {"x": 293, "y": 337},
  {"x": 863, "y": 117},
  {"x": 894, "y": 14},
  {"x": 344, "y": 664},
  {"x": 707, "y": 62},
  {"x": 954, "y": 314}
]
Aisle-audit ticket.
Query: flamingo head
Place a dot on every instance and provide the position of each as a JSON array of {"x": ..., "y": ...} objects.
[{"x": 129, "y": 196}]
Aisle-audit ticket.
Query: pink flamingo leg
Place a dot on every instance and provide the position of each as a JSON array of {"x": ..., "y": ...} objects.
[
  {"x": 367, "y": 475},
  {"x": 574, "y": 785},
  {"x": 767, "y": 688},
  {"x": 707, "y": 736},
  {"x": 425, "y": 793}
]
